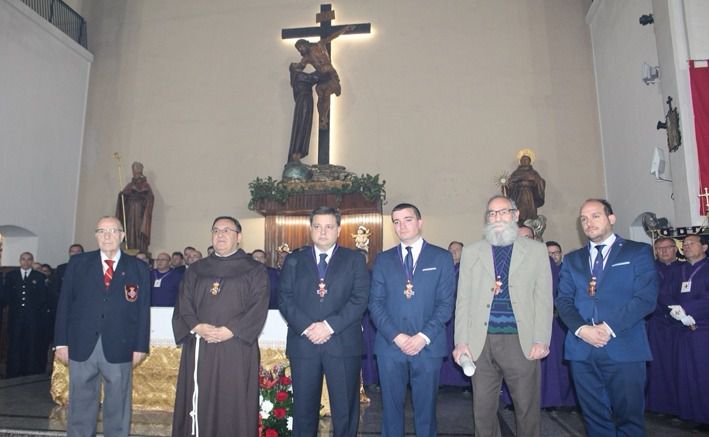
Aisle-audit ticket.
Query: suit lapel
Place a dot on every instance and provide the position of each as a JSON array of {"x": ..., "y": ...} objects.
[
  {"x": 421, "y": 263},
  {"x": 332, "y": 266},
  {"x": 519, "y": 252},
  {"x": 616, "y": 249},
  {"x": 96, "y": 269},
  {"x": 485, "y": 255}
]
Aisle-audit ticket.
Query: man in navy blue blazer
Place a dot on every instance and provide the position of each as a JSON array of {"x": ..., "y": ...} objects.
[
  {"x": 323, "y": 294},
  {"x": 102, "y": 330},
  {"x": 606, "y": 289},
  {"x": 410, "y": 301}
]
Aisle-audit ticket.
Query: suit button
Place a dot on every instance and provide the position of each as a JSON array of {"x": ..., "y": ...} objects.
[
  {"x": 484, "y": 323},
  {"x": 102, "y": 316},
  {"x": 488, "y": 305}
]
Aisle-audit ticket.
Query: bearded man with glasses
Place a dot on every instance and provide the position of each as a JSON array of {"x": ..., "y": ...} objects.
[{"x": 503, "y": 319}]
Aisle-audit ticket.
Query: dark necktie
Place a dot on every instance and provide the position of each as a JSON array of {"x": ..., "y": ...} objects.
[
  {"x": 109, "y": 273},
  {"x": 322, "y": 265},
  {"x": 409, "y": 262},
  {"x": 24, "y": 276},
  {"x": 598, "y": 263}
]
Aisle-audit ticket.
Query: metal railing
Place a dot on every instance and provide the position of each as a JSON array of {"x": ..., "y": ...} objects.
[{"x": 62, "y": 17}]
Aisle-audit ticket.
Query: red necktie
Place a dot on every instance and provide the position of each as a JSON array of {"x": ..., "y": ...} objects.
[{"x": 109, "y": 273}]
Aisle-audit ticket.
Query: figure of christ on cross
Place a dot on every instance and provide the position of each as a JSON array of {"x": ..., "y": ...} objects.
[{"x": 318, "y": 55}]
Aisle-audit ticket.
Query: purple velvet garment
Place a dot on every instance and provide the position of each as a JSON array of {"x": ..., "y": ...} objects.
[
  {"x": 693, "y": 346},
  {"x": 663, "y": 332},
  {"x": 166, "y": 294}
]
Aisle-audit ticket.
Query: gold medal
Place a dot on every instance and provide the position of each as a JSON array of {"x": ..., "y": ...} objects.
[
  {"x": 409, "y": 291},
  {"x": 216, "y": 288},
  {"x": 592, "y": 286},
  {"x": 498, "y": 286},
  {"x": 322, "y": 289}
]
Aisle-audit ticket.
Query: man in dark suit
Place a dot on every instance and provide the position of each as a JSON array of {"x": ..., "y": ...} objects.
[
  {"x": 605, "y": 291},
  {"x": 60, "y": 271},
  {"x": 323, "y": 294},
  {"x": 411, "y": 300},
  {"x": 27, "y": 298},
  {"x": 102, "y": 330}
]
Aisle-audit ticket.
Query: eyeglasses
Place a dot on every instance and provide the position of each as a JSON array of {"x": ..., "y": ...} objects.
[
  {"x": 500, "y": 212},
  {"x": 218, "y": 231},
  {"x": 108, "y": 231},
  {"x": 164, "y": 259}
]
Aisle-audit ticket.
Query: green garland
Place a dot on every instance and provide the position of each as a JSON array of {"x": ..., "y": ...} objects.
[{"x": 270, "y": 189}]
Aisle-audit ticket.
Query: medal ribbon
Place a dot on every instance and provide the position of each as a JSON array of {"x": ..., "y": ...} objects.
[
  {"x": 684, "y": 270},
  {"x": 409, "y": 271},
  {"x": 322, "y": 270}
]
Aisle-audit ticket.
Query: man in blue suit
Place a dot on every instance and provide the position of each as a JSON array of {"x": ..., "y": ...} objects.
[
  {"x": 323, "y": 294},
  {"x": 411, "y": 300},
  {"x": 102, "y": 330},
  {"x": 605, "y": 291}
]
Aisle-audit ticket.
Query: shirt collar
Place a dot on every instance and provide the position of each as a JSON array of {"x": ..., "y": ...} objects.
[
  {"x": 416, "y": 247},
  {"x": 608, "y": 243},
  {"x": 329, "y": 252},
  {"x": 227, "y": 255},
  {"x": 116, "y": 258}
]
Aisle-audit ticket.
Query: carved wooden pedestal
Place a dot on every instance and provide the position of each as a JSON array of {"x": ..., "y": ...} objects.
[{"x": 289, "y": 222}]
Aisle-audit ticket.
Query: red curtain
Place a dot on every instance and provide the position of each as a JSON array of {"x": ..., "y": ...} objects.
[{"x": 699, "y": 79}]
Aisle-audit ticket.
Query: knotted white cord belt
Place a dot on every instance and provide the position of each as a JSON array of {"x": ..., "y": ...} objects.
[{"x": 195, "y": 392}]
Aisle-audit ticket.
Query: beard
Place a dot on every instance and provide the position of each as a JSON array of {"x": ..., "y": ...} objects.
[{"x": 502, "y": 237}]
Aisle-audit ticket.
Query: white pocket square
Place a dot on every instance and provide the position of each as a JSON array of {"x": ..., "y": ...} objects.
[
  {"x": 621, "y": 264},
  {"x": 429, "y": 269}
]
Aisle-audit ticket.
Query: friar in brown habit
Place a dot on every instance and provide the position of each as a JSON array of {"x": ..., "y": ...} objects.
[{"x": 219, "y": 314}]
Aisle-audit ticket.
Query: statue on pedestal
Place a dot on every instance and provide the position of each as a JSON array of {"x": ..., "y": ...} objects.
[
  {"x": 136, "y": 200},
  {"x": 526, "y": 187}
]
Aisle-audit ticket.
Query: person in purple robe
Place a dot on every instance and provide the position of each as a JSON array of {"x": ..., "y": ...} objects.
[
  {"x": 691, "y": 291},
  {"x": 662, "y": 333},
  {"x": 164, "y": 282}
]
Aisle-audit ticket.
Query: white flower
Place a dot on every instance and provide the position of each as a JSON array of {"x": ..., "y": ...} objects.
[
  {"x": 264, "y": 415},
  {"x": 266, "y": 407},
  {"x": 260, "y": 399},
  {"x": 290, "y": 423}
]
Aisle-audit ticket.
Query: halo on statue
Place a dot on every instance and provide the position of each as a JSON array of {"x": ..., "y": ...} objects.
[{"x": 526, "y": 152}]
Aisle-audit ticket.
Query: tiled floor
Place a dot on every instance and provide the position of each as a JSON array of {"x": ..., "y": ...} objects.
[{"x": 27, "y": 409}]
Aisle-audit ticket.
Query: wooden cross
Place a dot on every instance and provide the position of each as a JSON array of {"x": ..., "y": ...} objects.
[
  {"x": 705, "y": 195},
  {"x": 325, "y": 30}
]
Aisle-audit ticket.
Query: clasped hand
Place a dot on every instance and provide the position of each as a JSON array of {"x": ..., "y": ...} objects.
[
  {"x": 595, "y": 335},
  {"x": 213, "y": 334},
  {"x": 318, "y": 333},
  {"x": 410, "y": 344}
]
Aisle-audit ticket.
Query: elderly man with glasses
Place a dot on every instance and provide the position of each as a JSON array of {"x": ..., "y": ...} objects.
[
  {"x": 503, "y": 319},
  {"x": 102, "y": 330},
  {"x": 219, "y": 314}
]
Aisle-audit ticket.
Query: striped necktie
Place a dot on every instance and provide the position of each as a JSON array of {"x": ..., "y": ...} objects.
[{"x": 109, "y": 273}]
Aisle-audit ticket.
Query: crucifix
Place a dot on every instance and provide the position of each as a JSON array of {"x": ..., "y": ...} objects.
[
  {"x": 705, "y": 196},
  {"x": 321, "y": 59}
]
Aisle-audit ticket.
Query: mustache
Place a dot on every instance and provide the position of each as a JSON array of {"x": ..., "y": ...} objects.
[{"x": 501, "y": 237}]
